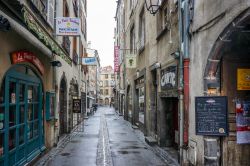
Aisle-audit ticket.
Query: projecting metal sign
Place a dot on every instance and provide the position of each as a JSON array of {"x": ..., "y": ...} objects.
[
  {"x": 131, "y": 61},
  {"x": 89, "y": 61}
]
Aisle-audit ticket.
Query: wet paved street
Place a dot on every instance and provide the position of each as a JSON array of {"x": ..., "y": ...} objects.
[{"x": 107, "y": 140}]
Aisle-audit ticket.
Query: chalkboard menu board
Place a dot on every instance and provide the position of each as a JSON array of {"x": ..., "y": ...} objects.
[
  {"x": 211, "y": 115},
  {"x": 76, "y": 105}
]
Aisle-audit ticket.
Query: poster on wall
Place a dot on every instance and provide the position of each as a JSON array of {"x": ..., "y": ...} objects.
[
  {"x": 243, "y": 79},
  {"x": 243, "y": 122}
]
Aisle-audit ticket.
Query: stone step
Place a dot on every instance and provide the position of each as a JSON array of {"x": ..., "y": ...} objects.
[{"x": 150, "y": 140}]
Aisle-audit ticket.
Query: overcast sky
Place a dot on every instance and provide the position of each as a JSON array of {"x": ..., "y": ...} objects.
[{"x": 100, "y": 28}]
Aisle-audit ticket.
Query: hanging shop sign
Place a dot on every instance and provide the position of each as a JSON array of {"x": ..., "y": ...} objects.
[
  {"x": 76, "y": 105},
  {"x": 211, "y": 115},
  {"x": 26, "y": 56},
  {"x": 131, "y": 61},
  {"x": 168, "y": 78},
  {"x": 116, "y": 59},
  {"x": 243, "y": 79},
  {"x": 91, "y": 61},
  {"x": 67, "y": 26},
  {"x": 243, "y": 122}
]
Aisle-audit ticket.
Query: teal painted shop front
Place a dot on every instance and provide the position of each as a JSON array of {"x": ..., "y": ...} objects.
[{"x": 21, "y": 116}]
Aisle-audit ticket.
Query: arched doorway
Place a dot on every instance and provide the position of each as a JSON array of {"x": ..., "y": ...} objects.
[
  {"x": 228, "y": 58},
  {"x": 63, "y": 107},
  {"x": 21, "y": 116},
  {"x": 74, "y": 118},
  {"x": 106, "y": 101}
]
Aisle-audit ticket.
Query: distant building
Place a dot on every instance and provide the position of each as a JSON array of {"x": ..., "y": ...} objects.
[{"x": 107, "y": 84}]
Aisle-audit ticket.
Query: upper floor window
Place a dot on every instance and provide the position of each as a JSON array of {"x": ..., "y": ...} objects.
[
  {"x": 75, "y": 6},
  {"x": 46, "y": 9},
  {"x": 132, "y": 40},
  {"x": 106, "y": 76},
  {"x": 65, "y": 9},
  {"x": 141, "y": 42},
  {"x": 163, "y": 21}
]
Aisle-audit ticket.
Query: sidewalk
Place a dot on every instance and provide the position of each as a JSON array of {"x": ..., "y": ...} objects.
[{"x": 168, "y": 155}]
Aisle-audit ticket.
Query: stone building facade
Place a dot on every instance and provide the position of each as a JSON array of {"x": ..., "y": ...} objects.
[
  {"x": 151, "y": 87},
  {"x": 218, "y": 55},
  {"x": 107, "y": 84},
  {"x": 36, "y": 93}
]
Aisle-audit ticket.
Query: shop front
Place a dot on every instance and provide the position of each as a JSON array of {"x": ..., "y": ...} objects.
[
  {"x": 228, "y": 74},
  {"x": 140, "y": 102},
  {"x": 21, "y": 126},
  {"x": 168, "y": 127}
]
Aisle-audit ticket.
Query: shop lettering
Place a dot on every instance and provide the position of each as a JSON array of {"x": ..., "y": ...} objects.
[{"x": 168, "y": 79}]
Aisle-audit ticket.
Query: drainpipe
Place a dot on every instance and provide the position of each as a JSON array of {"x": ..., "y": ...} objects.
[
  {"x": 186, "y": 72},
  {"x": 184, "y": 76},
  {"x": 56, "y": 129}
]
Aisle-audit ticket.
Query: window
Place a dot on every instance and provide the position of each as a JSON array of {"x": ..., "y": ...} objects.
[
  {"x": 106, "y": 92},
  {"x": 106, "y": 76},
  {"x": 163, "y": 20},
  {"x": 141, "y": 43},
  {"x": 75, "y": 6},
  {"x": 132, "y": 40},
  {"x": 41, "y": 6},
  {"x": 101, "y": 91},
  {"x": 106, "y": 83},
  {"x": 65, "y": 9},
  {"x": 101, "y": 83},
  {"x": 50, "y": 12},
  {"x": 75, "y": 55}
]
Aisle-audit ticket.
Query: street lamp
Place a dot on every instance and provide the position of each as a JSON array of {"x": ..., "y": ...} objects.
[{"x": 153, "y": 6}]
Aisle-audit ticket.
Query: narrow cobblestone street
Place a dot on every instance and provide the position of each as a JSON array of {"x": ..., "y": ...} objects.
[{"x": 107, "y": 140}]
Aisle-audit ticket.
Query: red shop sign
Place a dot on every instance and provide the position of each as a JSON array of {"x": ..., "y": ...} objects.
[{"x": 26, "y": 56}]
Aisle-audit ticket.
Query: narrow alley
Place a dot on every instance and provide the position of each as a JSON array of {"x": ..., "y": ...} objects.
[{"x": 107, "y": 140}]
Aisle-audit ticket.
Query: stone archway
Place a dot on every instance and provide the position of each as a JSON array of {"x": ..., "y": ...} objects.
[
  {"x": 63, "y": 106},
  {"x": 229, "y": 54},
  {"x": 73, "y": 94}
]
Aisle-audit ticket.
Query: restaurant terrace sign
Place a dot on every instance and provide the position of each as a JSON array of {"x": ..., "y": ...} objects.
[{"x": 26, "y": 56}]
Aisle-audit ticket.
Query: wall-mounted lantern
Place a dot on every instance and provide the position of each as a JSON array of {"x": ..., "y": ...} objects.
[{"x": 153, "y": 6}]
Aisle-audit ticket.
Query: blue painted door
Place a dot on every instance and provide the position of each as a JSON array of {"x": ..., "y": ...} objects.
[{"x": 22, "y": 130}]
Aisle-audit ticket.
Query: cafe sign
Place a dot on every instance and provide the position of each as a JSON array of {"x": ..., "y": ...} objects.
[
  {"x": 243, "y": 79},
  {"x": 26, "y": 56},
  {"x": 168, "y": 78},
  {"x": 67, "y": 26}
]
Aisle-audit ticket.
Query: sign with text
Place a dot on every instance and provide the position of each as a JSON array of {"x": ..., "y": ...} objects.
[
  {"x": 67, "y": 26},
  {"x": 131, "y": 61},
  {"x": 26, "y": 56},
  {"x": 168, "y": 78},
  {"x": 243, "y": 79},
  {"x": 211, "y": 115},
  {"x": 76, "y": 105},
  {"x": 91, "y": 61},
  {"x": 116, "y": 59}
]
